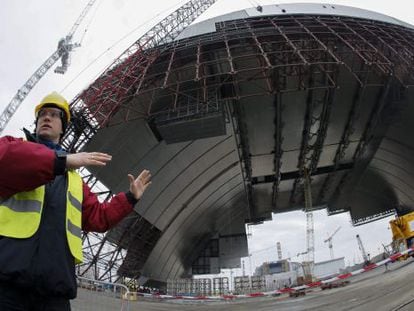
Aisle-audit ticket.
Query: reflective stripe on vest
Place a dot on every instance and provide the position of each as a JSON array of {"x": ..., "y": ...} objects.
[
  {"x": 74, "y": 200},
  {"x": 20, "y": 214},
  {"x": 22, "y": 205}
]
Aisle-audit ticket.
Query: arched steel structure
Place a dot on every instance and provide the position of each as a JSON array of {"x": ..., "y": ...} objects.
[{"x": 228, "y": 116}]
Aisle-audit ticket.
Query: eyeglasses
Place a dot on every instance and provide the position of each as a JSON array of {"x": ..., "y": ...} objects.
[{"x": 53, "y": 113}]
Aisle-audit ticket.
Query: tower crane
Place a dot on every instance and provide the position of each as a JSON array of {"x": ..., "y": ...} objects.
[
  {"x": 329, "y": 240},
  {"x": 65, "y": 46},
  {"x": 310, "y": 245},
  {"x": 309, "y": 217}
]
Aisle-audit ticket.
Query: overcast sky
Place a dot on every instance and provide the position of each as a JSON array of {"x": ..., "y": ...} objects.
[{"x": 30, "y": 30}]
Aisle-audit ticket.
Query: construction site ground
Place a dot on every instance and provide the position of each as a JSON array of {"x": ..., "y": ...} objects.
[{"x": 378, "y": 290}]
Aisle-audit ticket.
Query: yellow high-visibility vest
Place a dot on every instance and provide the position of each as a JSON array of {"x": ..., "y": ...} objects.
[{"x": 20, "y": 214}]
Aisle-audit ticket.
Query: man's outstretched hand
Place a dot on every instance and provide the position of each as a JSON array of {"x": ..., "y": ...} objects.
[
  {"x": 138, "y": 185},
  {"x": 77, "y": 160}
]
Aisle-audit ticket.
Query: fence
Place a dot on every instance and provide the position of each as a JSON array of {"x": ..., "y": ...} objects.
[{"x": 103, "y": 296}]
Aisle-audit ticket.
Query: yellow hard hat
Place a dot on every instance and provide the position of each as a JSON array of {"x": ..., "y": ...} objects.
[{"x": 57, "y": 100}]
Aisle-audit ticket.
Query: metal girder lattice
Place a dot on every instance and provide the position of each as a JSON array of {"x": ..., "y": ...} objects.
[
  {"x": 365, "y": 220},
  {"x": 236, "y": 114},
  {"x": 101, "y": 257},
  {"x": 281, "y": 45},
  {"x": 320, "y": 88},
  {"x": 123, "y": 78},
  {"x": 264, "y": 52},
  {"x": 26, "y": 88}
]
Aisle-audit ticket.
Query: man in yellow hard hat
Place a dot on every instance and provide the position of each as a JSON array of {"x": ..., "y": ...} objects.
[
  {"x": 44, "y": 206},
  {"x": 56, "y": 103}
]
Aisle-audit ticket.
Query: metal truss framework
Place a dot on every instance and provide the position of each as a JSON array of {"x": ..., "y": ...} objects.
[
  {"x": 125, "y": 75},
  {"x": 263, "y": 53}
]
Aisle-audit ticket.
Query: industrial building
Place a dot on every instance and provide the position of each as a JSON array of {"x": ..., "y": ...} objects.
[{"x": 283, "y": 273}]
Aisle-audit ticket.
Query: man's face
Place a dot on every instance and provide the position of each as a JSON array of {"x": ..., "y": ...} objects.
[{"x": 49, "y": 124}]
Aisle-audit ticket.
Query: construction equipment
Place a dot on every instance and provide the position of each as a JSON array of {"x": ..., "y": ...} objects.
[
  {"x": 329, "y": 241},
  {"x": 65, "y": 46},
  {"x": 402, "y": 228},
  {"x": 335, "y": 284},
  {"x": 365, "y": 256},
  {"x": 297, "y": 293}
]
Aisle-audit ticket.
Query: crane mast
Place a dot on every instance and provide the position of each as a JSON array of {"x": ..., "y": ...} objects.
[
  {"x": 309, "y": 218},
  {"x": 65, "y": 46}
]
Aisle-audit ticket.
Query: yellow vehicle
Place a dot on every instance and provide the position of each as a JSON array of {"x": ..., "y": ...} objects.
[{"x": 402, "y": 229}]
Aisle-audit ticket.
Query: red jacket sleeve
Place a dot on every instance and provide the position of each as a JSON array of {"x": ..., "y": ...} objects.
[
  {"x": 24, "y": 165},
  {"x": 100, "y": 217}
]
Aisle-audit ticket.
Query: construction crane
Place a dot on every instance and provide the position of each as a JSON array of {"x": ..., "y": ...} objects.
[
  {"x": 329, "y": 241},
  {"x": 301, "y": 254},
  {"x": 309, "y": 217},
  {"x": 65, "y": 46},
  {"x": 310, "y": 248},
  {"x": 365, "y": 257}
]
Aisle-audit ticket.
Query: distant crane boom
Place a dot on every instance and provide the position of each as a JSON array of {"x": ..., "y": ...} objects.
[
  {"x": 25, "y": 90},
  {"x": 300, "y": 254},
  {"x": 65, "y": 46},
  {"x": 329, "y": 240},
  {"x": 80, "y": 18}
]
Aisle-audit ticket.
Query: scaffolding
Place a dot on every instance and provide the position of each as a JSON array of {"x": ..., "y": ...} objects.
[
  {"x": 190, "y": 287},
  {"x": 258, "y": 283},
  {"x": 220, "y": 286},
  {"x": 242, "y": 284}
]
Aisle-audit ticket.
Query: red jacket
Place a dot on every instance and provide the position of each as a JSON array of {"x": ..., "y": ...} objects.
[{"x": 25, "y": 166}]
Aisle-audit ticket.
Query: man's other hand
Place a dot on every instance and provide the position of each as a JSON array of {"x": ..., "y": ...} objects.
[{"x": 138, "y": 185}]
